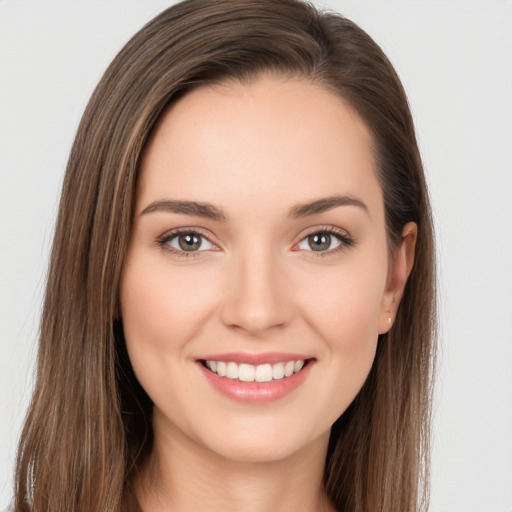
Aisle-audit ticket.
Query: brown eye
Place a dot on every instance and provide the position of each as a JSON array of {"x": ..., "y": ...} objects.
[
  {"x": 319, "y": 241},
  {"x": 323, "y": 241},
  {"x": 188, "y": 242}
]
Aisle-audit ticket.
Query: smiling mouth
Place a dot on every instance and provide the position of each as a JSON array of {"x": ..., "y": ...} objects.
[{"x": 244, "y": 372}]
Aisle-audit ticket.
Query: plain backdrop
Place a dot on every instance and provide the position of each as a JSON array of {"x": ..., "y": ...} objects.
[{"x": 455, "y": 60}]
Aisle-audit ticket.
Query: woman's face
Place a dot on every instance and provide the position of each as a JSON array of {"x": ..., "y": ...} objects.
[{"x": 258, "y": 251}]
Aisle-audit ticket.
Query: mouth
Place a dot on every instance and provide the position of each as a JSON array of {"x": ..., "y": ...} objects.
[
  {"x": 244, "y": 372},
  {"x": 257, "y": 378}
]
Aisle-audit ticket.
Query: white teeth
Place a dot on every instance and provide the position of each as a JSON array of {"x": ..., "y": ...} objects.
[
  {"x": 221, "y": 368},
  {"x": 232, "y": 371},
  {"x": 246, "y": 372},
  {"x": 263, "y": 373},
  {"x": 288, "y": 368},
  {"x": 278, "y": 371},
  {"x": 250, "y": 373}
]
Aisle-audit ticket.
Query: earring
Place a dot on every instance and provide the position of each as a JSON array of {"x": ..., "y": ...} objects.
[{"x": 389, "y": 320}]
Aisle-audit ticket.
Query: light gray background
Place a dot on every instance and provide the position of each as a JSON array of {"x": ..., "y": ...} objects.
[{"x": 455, "y": 59}]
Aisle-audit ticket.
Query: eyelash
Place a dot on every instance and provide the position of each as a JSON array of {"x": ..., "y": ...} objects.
[
  {"x": 343, "y": 237},
  {"x": 346, "y": 240},
  {"x": 164, "y": 240}
]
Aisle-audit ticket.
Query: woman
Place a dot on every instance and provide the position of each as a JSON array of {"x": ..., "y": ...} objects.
[{"x": 239, "y": 310}]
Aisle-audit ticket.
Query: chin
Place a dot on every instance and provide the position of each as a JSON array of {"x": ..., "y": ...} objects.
[{"x": 263, "y": 444}]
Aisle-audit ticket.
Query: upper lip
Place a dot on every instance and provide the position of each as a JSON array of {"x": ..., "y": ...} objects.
[{"x": 256, "y": 359}]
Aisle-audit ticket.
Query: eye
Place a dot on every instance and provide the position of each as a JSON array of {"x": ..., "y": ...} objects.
[
  {"x": 186, "y": 242},
  {"x": 324, "y": 241}
]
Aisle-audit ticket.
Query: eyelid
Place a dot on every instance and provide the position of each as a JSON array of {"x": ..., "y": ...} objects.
[
  {"x": 163, "y": 240},
  {"x": 345, "y": 238}
]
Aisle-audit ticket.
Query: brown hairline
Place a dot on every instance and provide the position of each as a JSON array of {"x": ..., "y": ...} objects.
[{"x": 88, "y": 429}]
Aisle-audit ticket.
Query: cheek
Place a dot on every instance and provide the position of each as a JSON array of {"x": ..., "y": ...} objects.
[
  {"x": 163, "y": 308},
  {"x": 344, "y": 312},
  {"x": 346, "y": 305},
  {"x": 162, "y": 302}
]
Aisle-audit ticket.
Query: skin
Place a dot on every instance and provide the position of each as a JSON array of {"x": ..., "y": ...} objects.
[{"x": 255, "y": 285}]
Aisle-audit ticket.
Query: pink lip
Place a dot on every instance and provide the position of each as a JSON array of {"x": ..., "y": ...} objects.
[
  {"x": 256, "y": 359},
  {"x": 256, "y": 392}
]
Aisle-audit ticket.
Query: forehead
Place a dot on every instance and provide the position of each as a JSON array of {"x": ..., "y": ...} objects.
[{"x": 276, "y": 139}]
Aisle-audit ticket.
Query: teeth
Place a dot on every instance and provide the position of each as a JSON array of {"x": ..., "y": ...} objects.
[
  {"x": 250, "y": 373},
  {"x": 263, "y": 373},
  {"x": 246, "y": 372},
  {"x": 221, "y": 368},
  {"x": 232, "y": 371},
  {"x": 278, "y": 371},
  {"x": 288, "y": 368}
]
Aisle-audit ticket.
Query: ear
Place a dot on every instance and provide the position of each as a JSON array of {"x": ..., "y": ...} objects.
[{"x": 398, "y": 273}]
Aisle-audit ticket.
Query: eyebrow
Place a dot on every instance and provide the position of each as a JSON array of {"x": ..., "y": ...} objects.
[
  {"x": 194, "y": 208},
  {"x": 325, "y": 204},
  {"x": 209, "y": 211}
]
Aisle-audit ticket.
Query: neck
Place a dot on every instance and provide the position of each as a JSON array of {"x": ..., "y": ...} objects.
[{"x": 184, "y": 476}]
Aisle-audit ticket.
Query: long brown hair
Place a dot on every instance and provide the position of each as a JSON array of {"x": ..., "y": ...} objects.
[{"x": 88, "y": 428}]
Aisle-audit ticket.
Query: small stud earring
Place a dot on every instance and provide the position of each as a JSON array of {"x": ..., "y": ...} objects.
[{"x": 389, "y": 320}]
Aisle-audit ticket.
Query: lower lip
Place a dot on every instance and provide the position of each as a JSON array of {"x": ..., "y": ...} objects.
[{"x": 256, "y": 392}]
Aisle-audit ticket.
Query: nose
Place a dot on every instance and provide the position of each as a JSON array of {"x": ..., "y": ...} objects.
[{"x": 257, "y": 299}]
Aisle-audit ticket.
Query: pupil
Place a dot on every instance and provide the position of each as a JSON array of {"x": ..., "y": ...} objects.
[
  {"x": 320, "y": 242},
  {"x": 189, "y": 242}
]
